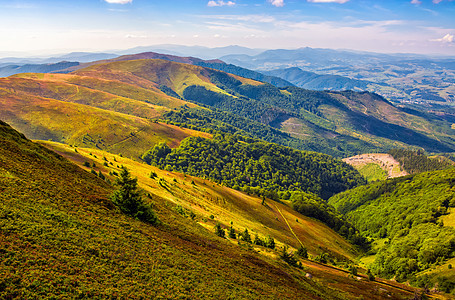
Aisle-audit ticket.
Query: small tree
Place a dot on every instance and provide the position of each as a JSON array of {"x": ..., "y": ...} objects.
[
  {"x": 245, "y": 236},
  {"x": 128, "y": 199},
  {"x": 302, "y": 252},
  {"x": 270, "y": 242},
  {"x": 219, "y": 231},
  {"x": 232, "y": 234},
  {"x": 370, "y": 275}
]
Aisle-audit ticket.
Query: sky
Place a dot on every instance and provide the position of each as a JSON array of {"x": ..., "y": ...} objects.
[{"x": 400, "y": 26}]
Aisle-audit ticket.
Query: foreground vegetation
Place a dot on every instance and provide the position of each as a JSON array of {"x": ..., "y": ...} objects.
[{"x": 61, "y": 237}]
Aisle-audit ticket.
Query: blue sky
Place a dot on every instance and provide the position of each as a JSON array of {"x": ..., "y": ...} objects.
[{"x": 415, "y": 26}]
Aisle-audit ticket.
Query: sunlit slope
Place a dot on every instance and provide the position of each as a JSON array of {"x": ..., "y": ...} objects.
[
  {"x": 153, "y": 73},
  {"x": 206, "y": 198},
  {"x": 61, "y": 237},
  {"x": 84, "y": 125},
  {"x": 152, "y": 96}
]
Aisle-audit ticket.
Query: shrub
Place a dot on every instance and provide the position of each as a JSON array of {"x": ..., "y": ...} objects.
[
  {"x": 219, "y": 231},
  {"x": 302, "y": 252}
]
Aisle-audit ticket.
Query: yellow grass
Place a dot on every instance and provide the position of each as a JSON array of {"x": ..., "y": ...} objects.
[{"x": 206, "y": 198}]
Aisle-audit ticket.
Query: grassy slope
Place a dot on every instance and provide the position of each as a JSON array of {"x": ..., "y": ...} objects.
[
  {"x": 56, "y": 110},
  {"x": 67, "y": 240},
  {"x": 147, "y": 73},
  {"x": 205, "y": 198}
]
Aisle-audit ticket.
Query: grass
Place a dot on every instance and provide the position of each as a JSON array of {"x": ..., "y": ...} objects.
[
  {"x": 62, "y": 238},
  {"x": 206, "y": 199},
  {"x": 449, "y": 219},
  {"x": 372, "y": 172}
]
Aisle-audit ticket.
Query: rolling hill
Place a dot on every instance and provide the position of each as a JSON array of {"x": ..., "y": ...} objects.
[{"x": 337, "y": 123}]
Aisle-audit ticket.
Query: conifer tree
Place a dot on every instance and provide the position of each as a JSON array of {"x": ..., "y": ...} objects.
[{"x": 128, "y": 199}]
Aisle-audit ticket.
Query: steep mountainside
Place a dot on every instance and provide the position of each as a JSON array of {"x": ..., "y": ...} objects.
[{"x": 61, "y": 237}]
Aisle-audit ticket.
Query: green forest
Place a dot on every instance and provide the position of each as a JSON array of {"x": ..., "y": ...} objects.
[
  {"x": 416, "y": 161},
  {"x": 405, "y": 213},
  {"x": 255, "y": 166}
]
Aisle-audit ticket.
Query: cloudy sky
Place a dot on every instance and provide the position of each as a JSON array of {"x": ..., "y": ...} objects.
[{"x": 415, "y": 26}]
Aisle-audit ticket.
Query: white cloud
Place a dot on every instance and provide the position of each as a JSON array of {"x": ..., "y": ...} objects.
[
  {"x": 213, "y": 3},
  {"x": 119, "y": 1},
  {"x": 277, "y": 3},
  {"x": 448, "y": 38},
  {"x": 328, "y": 1},
  {"x": 437, "y": 1},
  {"x": 417, "y": 2}
]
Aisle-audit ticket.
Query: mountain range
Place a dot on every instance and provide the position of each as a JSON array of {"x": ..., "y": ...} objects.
[{"x": 228, "y": 162}]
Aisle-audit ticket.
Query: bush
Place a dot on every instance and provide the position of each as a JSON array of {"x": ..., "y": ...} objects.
[
  {"x": 302, "y": 252},
  {"x": 219, "y": 231},
  {"x": 245, "y": 236},
  {"x": 270, "y": 242}
]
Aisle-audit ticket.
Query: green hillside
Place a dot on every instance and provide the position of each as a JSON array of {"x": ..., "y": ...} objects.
[
  {"x": 406, "y": 214},
  {"x": 67, "y": 240},
  {"x": 256, "y": 166},
  {"x": 61, "y": 237}
]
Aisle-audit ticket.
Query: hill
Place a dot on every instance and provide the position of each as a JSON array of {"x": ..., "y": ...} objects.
[
  {"x": 62, "y": 237},
  {"x": 336, "y": 123},
  {"x": 406, "y": 216},
  {"x": 314, "y": 81}
]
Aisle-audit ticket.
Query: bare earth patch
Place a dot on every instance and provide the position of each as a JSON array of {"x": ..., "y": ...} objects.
[{"x": 385, "y": 161}]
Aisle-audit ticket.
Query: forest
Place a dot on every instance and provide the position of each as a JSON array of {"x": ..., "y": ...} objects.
[
  {"x": 405, "y": 213},
  {"x": 256, "y": 166},
  {"x": 416, "y": 161}
]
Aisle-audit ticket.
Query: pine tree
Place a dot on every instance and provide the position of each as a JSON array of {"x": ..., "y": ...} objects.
[
  {"x": 219, "y": 231},
  {"x": 128, "y": 199},
  {"x": 232, "y": 234},
  {"x": 302, "y": 252}
]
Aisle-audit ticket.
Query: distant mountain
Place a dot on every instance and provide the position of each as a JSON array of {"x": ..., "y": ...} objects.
[
  {"x": 197, "y": 51},
  {"x": 314, "y": 81},
  {"x": 35, "y": 68},
  {"x": 80, "y": 57},
  {"x": 407, "y": 78}
]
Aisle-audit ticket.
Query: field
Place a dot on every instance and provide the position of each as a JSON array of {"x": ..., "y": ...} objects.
[{"x": 373, "y": 166}]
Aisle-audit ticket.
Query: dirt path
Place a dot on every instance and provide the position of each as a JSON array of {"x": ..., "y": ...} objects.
[{"x": 385, "y": 161}]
